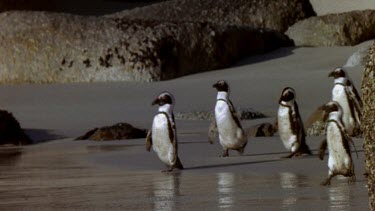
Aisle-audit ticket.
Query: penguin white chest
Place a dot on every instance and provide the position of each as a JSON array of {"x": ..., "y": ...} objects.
[
  {"x": 285, "y": 127},
  {"x": 338, "y": 161},
  {"x": 339, "y": 95},
  {"x": 230, "y": 135},
  {"x": 162, "y": 144}
]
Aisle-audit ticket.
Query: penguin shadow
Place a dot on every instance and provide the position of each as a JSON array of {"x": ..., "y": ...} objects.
[
  {"x": 40, "y": 135},
  {"x": 194, "y": 142},
  {"x": 282, "y": 154},
  {"x": 230, "y": 164}
]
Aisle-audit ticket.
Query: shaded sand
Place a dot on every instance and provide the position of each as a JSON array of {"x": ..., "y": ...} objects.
[{"x": 58, "y": 173}]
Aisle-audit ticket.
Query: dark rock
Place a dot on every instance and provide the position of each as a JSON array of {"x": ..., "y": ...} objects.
[
  {"x": 349, "y": 28},
  {"x": 42, "y": 47},
  {"x": 262, "y": 130},
  {"x": 276, "y": 15},
  {"x": 10, "y": 130},
  {"x": 118, "y": 131},
  {"x": 368, "y": 123},
  {"x": 6, "y": 5}
]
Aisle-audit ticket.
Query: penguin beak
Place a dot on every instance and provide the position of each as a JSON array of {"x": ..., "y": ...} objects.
[
  {"x": 215, "y": 85},
  {"x": 331, "y": 74},
  {"x": 155, "y": 102}
]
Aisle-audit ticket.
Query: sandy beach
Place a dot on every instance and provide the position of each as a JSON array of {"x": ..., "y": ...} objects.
[{"x": 61, "y": 174}]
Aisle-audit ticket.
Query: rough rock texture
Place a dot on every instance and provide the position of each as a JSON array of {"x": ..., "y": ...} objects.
[
  {"x": 276, "y": 15},
  {"x": 43, "y": 47},
  {"x": 368, "y": 122},
  {"x": 118, "y": 131},
  {"x": 315, "y": 125},
  {"x": 261, "y": 130},
  {"x": 341, "y": 29},
  {"x": 10, "y": 130},
  {"x": 243, "y": 113}
]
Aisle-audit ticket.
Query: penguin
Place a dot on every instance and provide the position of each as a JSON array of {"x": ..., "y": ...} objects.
[
  {"x": 337, "y": 140},
  {"x": 163, "y": 136},
  {"x": 345, "y": 93},
  {"x": 230, "y": 131},
  {"x": 290, "y": 125}
]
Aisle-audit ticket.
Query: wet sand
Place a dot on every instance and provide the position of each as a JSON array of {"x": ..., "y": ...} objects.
[{"x": 61, "y": 174}]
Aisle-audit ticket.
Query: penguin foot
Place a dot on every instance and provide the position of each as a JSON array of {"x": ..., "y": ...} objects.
[
  {"x": 225, "y": 153},
  {"x": 326, "y": 182},
  {"x": 289, "y": 156},
  {"x": 352, "y": 179},
  {"x": 167, "y": 170}
]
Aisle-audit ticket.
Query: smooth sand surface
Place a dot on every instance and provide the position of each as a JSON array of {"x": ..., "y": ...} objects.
[{"x": 58, "y": 173}]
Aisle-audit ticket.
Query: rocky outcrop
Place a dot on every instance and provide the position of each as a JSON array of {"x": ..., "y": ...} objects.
[
  {"x": 276, "y": 15},
  {"x": 343, "y": 29},
  {"x": 40, "y": 47},
  {"x": 118, "y": 131},
  {"x": 261, "y": 130},
  {"x": 324, "y": 7},
  {"x": 368, "y": 122},
  {"x": 358, "y": 58},
  {"x": 243, "y": 113},
  {"x": 10, "y": 130},
  {"x": 315, "y": 125}
]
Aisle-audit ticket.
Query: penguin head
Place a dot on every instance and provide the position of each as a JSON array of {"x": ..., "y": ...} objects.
[
  {"x": 287, "y": 95},
  {"x": 332, "y": 106},
  {"x": 337, "y": 73},
  {"x": 221, "y": 86},
  {"x": 163, "y": 99}
]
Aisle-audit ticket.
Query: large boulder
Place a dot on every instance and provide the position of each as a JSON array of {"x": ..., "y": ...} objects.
[
  {"x": 342, "y": 29},
  {"x": 243, "y": 114},
  {"x": 11, "y": 131},
  {"x": 275, "y": 15},
  {"x": 42, "y": 47},
  {"x": 119, "y": 131},
  {"x": 368, "y": 122},
  {"x": 324, "y": 7}
]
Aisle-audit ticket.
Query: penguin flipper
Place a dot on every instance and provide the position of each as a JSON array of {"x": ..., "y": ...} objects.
[
  {"x": 234, "y": 114},
  {"x": 350, "y": 140},
  {"x": 354, "y": 93},
  {"x": 149, "y": 140},
  {"x": 212, "y": 132},
  {"x": 322, "y": 149}
]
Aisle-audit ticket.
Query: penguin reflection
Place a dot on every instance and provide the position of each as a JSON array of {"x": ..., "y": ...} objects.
[
  {"x": 225, "y": 185},
  {"x": 289, "y": 182},
  {"x": 166, "y": 189},
  {"x": 339, "y": 197}
]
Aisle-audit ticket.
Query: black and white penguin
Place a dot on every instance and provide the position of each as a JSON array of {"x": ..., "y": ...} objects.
[
  {"x": 337, "y": 140},
  {"x": 163, "y": 136},
  {"x": 290, "y": 125},
  {"x": 231, "y": 134},
  {"x": 345, "y": 93}
]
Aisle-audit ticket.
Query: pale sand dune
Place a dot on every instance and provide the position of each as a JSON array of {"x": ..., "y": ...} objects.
[{"x": 64, "y": 174}]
